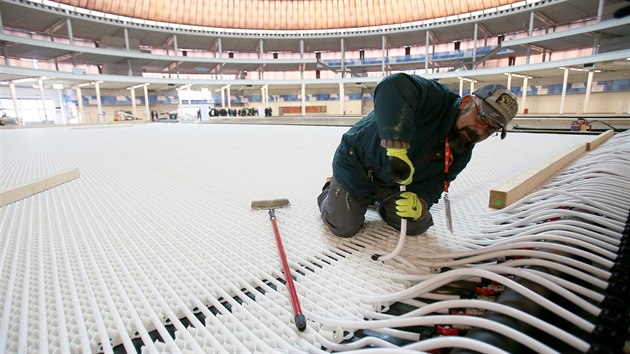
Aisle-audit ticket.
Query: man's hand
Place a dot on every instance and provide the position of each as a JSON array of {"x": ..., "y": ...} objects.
[
  {"x": 401, "y": 167},
  {"x": 409, "y": 206}
]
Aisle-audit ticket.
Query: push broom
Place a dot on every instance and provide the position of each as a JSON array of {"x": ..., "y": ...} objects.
[{"x": 300, "y": 320}]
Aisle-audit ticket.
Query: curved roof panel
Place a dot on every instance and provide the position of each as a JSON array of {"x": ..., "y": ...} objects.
[{"x": 286, "y": 14}]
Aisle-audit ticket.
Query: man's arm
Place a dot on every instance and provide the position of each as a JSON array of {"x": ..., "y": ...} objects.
[{"x": 396, "y": 100}]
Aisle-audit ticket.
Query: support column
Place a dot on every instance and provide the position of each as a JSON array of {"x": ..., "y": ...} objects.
[
  {"x": 70, "y": 38},
  {"x": 461, "y": 86},
  {"x": 261, "y": 53},
  {"x": 474, "y": 53},
  {"x": 343, "y": 57},
  {"x": 433, "y": 52},
  {"x": 587, "y": 96},
  {"x": 342, "y": 99},
  {"x": 303, "y": 99},
  {"x": 600, "y": 10},
  {"x": 16, "y": 106},
  {"x": 70, "y": 34},
  {"x": 530, "y": 31},
  {"x": 596, "y": 36},
  {"x": 126, "y": 32},
  {"x": 263, "y": 96},
  {"x": 134, "y": 109},
  {"x": 80, "y": 103},
  {"x": 40, "y": 84},
  {"x": 189, "y": 100},
  {"x": 383, "y": 57},
  {"x": 509, "y": 81},
  {"x": 301, "y": 57},
  {"x": 180, "y": 102},
  {"x": 62, "y": 105},
  {"x": 99, "y": 105},
  {"x": 222, "y": 97},
  {"x": 564, "y": 89},
  {"x": 524, "y": 97},
  {"x": 175, "y": 47},
  {"x": 229, "y": 98},
  {"x": 147, "y": 111},
  {"x": 427, "y": 37}
]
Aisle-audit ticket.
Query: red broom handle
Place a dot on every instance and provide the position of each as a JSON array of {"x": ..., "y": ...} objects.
[{"x": 300, "y": 320}]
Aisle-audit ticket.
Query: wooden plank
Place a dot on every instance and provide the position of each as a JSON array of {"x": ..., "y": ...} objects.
[
  {"x": 519, "y": 186},
  {"x": 37, "y": 186},
  {"x": 601, "y": 138}
]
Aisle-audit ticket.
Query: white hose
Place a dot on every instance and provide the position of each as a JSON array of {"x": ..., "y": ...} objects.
[
  {"x": 436, "y": 343},
  {"x": 401, "y": 239}
]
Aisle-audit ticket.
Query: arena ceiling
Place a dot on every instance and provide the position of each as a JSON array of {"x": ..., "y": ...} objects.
[
  {"x": 286, "y": 14},
  {"x": 16, "y": 16}
]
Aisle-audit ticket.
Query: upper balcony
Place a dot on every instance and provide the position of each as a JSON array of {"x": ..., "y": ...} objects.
[{"x": 37, "y": 35}]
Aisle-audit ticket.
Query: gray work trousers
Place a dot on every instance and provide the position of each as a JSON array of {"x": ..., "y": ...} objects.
[{"x": 345, "y": 216}]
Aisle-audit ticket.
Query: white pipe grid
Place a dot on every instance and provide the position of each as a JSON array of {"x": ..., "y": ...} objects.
[{"x": 158, "y": 228}]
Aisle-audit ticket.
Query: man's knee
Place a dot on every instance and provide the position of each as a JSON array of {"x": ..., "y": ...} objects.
[
  {"x": 341, "y": 228},
  {"x": 343, "y": 216},
  {"x": 342, "y": 223}
]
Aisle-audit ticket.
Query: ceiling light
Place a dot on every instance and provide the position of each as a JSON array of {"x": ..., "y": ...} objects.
[
  {"x": 522, "y": 76},
  {"x": 137, "y": 86},
  {"x": 26, "y": 79}
]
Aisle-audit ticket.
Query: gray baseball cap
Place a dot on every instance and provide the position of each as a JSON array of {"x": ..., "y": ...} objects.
[{"x": 498, "y": 104}]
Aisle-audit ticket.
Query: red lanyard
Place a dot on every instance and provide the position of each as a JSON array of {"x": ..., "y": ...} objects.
[{"x": 448, "y": 160}]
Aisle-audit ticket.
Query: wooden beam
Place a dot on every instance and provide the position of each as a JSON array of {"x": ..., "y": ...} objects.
[
  {"x": 37, "y": 186},
  {"x": 519, "y": 186},
  {"x": 601, "y": 138}
]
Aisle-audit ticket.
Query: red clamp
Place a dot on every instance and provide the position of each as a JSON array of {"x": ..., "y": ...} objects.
[{"x": 447, "y": 330}]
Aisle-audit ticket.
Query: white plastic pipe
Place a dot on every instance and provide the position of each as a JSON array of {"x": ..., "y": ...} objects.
[{"x": 401, "y": 239}]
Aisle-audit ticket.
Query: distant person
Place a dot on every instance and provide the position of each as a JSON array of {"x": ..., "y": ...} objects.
[{"x": 415, "y": 124}]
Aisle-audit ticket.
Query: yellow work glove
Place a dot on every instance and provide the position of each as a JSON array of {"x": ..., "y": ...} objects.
[
  {"x": 409, "y": 206},
  {"x": 400, "y": 166}
]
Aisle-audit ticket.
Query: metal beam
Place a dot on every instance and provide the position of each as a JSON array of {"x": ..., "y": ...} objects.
[{"x": 566, "y": 33}]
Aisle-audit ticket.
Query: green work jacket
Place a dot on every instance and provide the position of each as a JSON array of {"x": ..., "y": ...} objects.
[{"x": 408, "y": 108}]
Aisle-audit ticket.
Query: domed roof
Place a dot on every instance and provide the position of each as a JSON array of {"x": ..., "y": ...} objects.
[{"x": 286, "y": 14}]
